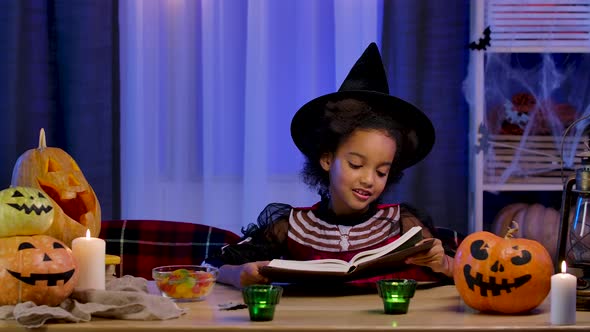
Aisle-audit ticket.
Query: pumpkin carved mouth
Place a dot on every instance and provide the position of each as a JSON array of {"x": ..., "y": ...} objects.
[
  {"x": 32, "y": 208},
  {"x": 51, "y": 278},
  {"x": 75, "y": 207},
  {"x": 492, "y": 285}
]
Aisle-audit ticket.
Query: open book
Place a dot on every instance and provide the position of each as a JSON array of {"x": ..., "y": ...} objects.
[{"x": 385, "y": 259}]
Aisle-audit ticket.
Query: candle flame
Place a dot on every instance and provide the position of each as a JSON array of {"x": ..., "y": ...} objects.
[
  {"x": 563, "y": 267},
  {"x": 87, "y": 233}
]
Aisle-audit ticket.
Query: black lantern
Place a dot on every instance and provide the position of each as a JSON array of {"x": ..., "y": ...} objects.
[{"x": 574, "y": 234}]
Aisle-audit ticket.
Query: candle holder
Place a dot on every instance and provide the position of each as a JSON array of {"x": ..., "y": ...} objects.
[
  {"x": 396, "y": 294},
  {"x": 261, "y": 301}
]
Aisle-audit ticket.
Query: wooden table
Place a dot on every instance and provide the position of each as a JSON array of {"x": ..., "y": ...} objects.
[{"x": 439, "y": 309}]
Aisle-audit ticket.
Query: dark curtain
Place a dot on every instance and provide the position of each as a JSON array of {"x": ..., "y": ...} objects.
[
  {"x": 59, "y": 71},
  {"x": 426, "y": 55}
]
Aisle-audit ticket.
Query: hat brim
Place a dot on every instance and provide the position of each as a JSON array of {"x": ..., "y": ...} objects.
[{"x": 416, "y": 128}]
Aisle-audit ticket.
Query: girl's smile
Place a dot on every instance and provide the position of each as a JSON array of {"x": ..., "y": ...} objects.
[{"x": 363, "y": 195}]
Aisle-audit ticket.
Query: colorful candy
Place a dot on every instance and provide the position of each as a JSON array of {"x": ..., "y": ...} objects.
[{"x": 186, "y": 284}]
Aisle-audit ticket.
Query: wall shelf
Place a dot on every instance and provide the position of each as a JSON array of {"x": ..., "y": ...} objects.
[{"x": 520, "y": 30}]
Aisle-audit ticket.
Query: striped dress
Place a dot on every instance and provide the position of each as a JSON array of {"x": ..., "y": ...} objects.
[
  {"x": 287, "y": 232},
  {"x": 311, "y": 238}
]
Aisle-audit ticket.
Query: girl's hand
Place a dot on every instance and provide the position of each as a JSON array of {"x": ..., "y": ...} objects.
[
  {"x": 242, "y": 275},
  {"x": 435, "y": 259},
  {"x": 249, "y": 274}
]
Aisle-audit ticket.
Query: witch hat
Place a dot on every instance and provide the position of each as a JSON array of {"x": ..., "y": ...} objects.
[{"x": 367, "y": 82}]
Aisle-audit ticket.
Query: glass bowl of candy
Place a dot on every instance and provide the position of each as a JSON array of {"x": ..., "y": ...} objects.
[{"x": 185, "y": 283}]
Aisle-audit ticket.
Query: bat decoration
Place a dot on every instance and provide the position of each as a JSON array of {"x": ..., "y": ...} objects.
[{"x": 482, "y": 43}]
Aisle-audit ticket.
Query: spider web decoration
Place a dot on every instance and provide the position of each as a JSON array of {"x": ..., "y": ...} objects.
[{"x": 530, "y": 100}]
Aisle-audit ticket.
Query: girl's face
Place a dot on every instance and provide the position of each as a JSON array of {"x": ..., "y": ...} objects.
[{"x": 358, "y": 170}]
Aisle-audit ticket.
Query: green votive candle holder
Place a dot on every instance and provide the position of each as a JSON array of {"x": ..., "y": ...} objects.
[
  {"x": 261, "y": 301},
  {"x": 396, "y": 294}
]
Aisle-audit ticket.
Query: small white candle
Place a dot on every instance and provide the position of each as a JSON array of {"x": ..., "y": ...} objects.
[
  {"x": 89, "y": 253},
  {"x": 563, "y": 297}
]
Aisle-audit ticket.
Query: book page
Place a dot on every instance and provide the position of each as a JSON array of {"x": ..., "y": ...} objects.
[
  {"x": 390, "y": 262},
  {"x": 369, "y": 255},
  {"x": 320, "y": 265},
  {"x": 337, "y": 265}
]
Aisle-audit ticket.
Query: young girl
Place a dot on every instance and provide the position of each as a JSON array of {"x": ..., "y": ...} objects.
[{"x": 356, "y": 142}]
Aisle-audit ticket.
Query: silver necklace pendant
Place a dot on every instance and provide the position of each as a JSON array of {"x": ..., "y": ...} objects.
[{"x": 344, "y": 243}]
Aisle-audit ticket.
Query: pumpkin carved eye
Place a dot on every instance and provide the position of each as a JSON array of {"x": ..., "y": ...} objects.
[
  {"x": 17, "y": 194},
  {"x": 25, "y": 245},
  {"x": 57, "y": 245},
  {"x": 52, "y": 166},
  {"x": 523, "y": 259},
  {"x": 479, "y": 250}
]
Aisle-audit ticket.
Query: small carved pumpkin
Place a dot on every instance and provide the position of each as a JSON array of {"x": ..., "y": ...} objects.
[
  {"x": 56, "y": 173},
  {"x": 504, "y": 275},
  {"x": 36, "y": 268},
  {"x": 24, "y": 211}
]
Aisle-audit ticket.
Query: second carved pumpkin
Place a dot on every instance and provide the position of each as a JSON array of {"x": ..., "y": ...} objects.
[{"x": 57, "y": 174}]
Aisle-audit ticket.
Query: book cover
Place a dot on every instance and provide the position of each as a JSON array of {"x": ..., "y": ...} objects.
[{"x": 382, "y": 260}]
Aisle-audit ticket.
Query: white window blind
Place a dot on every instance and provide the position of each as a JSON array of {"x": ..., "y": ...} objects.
[{"x": 538, "y": 24}]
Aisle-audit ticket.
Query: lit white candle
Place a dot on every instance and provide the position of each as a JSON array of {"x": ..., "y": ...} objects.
[
  {"x": 89, "y": 253},
  {"x": 563, "y": 297}
]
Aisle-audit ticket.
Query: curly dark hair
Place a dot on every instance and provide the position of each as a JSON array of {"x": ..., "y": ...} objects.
[{"x": 341, "y": 118}]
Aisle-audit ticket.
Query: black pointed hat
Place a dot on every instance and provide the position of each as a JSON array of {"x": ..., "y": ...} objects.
[{"x": 367, "y": 82}]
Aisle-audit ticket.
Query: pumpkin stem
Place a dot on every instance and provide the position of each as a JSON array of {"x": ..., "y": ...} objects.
[
  {"x": 511, "y": 230},
  {"x": 42, "y": 144}
]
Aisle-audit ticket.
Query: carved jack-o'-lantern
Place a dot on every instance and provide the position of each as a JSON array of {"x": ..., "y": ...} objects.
[
  {"x": 56, "y": 173},
  {"x": 504, "y": 275},
  {"x": 36, "y": 268},
  {"x": 24, "y": 211}
]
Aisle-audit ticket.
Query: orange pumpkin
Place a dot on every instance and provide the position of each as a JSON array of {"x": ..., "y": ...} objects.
[
  {"x": 56, "y": 173},
  {"x": 36, "y": 268},
  {"x": 24, "y": 211},
  {"x": 536, "y": 221},
  {"x": 503, "y": 275}
]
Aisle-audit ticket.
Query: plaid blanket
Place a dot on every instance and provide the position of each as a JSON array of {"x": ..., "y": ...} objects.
[{"x": 145, "y": 244}]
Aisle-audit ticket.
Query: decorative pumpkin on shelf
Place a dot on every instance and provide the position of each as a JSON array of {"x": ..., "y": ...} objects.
[
  {"x": 24, "y": 211},
  {"x": 36, "y": 268},
  {"x": 56, "y": 173},
  {"x": 503, "y": 275},
  {"x": 536, "y": 221}
]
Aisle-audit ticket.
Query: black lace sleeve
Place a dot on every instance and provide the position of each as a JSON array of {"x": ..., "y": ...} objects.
[
  {"x": 264, "y": 240},
  {"x": 411, "y": 216}
]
